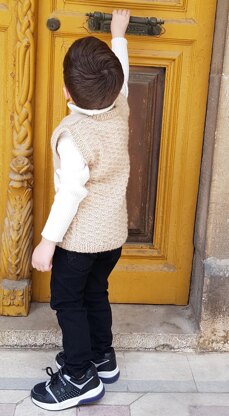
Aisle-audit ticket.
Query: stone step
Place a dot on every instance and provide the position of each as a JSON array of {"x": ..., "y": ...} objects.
[{"x": 135, "y": 327}]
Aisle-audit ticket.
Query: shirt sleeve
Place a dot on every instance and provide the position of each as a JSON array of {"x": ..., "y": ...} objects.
[
  {"x": 73, "y": 175},
  {"x": 119, "y": 47}
]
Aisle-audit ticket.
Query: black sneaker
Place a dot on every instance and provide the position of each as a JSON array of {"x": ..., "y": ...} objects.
[
  {"x": 107, "y": 367},
  {"x": 63, "y": 391}
]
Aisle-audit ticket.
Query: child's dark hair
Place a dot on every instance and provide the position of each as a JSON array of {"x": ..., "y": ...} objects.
[{"x": 93, "y": 74}]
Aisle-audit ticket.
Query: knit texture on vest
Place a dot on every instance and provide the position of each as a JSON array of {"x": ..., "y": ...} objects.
[{"x": 101, "y": 222}]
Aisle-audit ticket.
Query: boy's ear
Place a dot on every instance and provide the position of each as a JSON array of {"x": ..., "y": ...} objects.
[{"x": 66, "y": 94}]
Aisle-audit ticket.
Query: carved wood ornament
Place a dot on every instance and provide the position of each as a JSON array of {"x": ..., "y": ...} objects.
[{"x": 18, "y": 225}]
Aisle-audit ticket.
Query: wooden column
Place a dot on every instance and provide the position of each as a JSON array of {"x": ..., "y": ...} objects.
[{"x": 17, "y": 235}]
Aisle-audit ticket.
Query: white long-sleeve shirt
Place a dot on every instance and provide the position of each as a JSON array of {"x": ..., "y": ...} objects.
[{"x": 70, "y": 179}]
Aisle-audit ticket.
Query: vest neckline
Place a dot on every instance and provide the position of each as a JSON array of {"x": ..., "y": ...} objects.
[{"x": 107, "y": 115}]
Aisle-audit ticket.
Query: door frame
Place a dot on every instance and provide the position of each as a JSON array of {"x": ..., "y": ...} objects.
[
  {"x": 168, "y": 261},
  {"x": 197, "y": 281}
]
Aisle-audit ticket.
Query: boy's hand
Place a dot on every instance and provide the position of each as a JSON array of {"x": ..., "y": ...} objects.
[
  {"x": 119, "y": 23},
  {"x": 43, "y": 254}
]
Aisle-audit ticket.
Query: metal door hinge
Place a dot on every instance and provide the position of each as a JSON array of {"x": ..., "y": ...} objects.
[{"x": 150, "y": 26}]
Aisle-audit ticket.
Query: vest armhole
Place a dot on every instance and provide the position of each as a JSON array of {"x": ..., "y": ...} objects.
[{"x": 78, "y": 142}]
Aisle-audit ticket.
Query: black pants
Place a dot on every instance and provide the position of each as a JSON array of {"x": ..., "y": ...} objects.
[{"x": 79, "y": 294}]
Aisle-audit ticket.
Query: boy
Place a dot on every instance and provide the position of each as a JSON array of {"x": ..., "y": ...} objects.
[{"x": 87, "y": 225}]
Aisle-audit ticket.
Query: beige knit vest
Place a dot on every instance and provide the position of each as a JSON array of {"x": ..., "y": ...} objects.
[{"x": 101, "y": 221}]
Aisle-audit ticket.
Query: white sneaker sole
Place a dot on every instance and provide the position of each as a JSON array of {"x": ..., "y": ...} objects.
[
  {"x": 104, "y": 375},
  {"x": 109, "y": 374},
  {"x": 88, "y": 397}
]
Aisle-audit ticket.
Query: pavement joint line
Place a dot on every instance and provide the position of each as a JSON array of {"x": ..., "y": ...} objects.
[
  {"x": 22, "y": 400},
  {"x": 138, "y": 398},
  {"x": 190, "y": 367},
  {"x": 123, "y": 385}
]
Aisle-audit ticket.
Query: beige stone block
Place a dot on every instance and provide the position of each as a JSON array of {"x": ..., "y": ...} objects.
[
  {"x": 226, "y": 55},
  {"x": 218, "y": 221}
]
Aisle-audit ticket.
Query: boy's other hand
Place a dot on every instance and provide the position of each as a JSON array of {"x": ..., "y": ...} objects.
[
  {"x": 119, "y": 23},
  {"x": 43, "y": 254}
]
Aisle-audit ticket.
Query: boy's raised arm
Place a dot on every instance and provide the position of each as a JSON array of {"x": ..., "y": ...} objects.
[{"x": 119, "y": 23}]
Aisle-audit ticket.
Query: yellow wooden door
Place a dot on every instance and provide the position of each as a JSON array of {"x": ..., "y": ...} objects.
[{"x": 148, "y": 272}]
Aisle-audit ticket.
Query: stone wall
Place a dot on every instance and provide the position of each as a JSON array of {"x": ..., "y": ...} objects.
[{"x": 210, "y": 280}]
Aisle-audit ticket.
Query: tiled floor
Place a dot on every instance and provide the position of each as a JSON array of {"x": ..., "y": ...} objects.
[{"x": 151, "y": 384}]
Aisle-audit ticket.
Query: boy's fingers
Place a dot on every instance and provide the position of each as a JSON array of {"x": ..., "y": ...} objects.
[
  {"x": 45, "y": 269},
  {"x": 124, "y": 12},
  {"x": 128, "y": 13},
  {"x": 37, "y": 266},
  {"x": 41, "y": 268}
]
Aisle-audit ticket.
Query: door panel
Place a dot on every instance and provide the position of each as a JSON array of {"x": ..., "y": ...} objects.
[
  {"x": 168, "y": 91},
  {"x": 146, "y": 89}
]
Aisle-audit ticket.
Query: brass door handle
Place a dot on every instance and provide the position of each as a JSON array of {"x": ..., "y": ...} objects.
[
  {"x": 151, "y": 26},
  {"x": 100, "y": 22}
]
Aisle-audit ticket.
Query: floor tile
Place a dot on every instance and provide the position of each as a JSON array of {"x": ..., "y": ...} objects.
[
  {"x": 26, "y": 362},
  {"x": 210, "y": 371},
  {"x": 209, "y": 410},
  {"x": 7, "y": 409},
  {"x": 33, "y": 363},
  {"x": 159, "y": 386},
  {"x": 140, "y": 371},
  {"x": 178, "y": 404},
  {"x": 98, "y": 410},
  {"x": 28, "y": 408},
  {"x": 20, "y": 383},
  {"x": 158, "y": 372},
  {"x": 13, "y": 396},
  {"x": 157, "y": 366},
  {"x": 121, "y": 362},
  {"x": 118, "y": 398}
]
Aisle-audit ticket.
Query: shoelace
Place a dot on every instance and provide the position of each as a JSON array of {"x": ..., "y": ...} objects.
[{"x": 54, "y": 376}]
